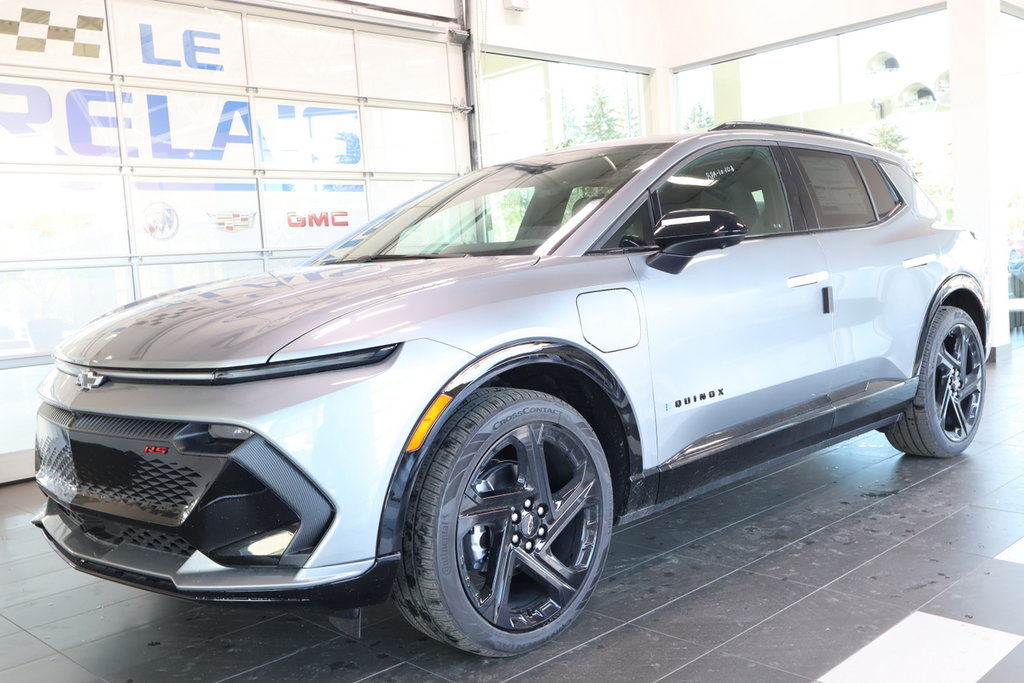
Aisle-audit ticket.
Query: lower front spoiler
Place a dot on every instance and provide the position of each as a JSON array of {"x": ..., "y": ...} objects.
[{"x": 199, "y": 578}]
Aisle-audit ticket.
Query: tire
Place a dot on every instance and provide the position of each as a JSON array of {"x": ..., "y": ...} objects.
[
  {"x": 509, "y": 524},
  {"x": 944, "y": 415}
]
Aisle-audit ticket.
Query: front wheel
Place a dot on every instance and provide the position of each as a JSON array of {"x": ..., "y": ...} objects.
[
  {"x": 943, "y": 418},
  {"x": 509, "y": 524}
]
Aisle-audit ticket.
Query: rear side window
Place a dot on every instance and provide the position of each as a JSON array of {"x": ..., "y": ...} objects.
[
  {"x": 881, "y": 192},
  {"x": 837, "y": 192}
]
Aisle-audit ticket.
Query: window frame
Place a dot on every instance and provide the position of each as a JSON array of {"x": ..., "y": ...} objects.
[
  {"x": 790, "y": 195},
  {"x": 800, "y": 180}
]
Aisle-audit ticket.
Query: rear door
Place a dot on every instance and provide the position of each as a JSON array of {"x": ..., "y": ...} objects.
[{"x": 882, "y": 257}]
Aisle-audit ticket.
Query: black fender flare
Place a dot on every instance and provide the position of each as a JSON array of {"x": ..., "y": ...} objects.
[
  {"x": 476, "y": 374},
  {"x": 957, "y": 282}
]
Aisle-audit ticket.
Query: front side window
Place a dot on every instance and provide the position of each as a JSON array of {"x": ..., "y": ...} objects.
[
  {"x": 743, "y": 180},
  {"x": 837, "y": 191}
]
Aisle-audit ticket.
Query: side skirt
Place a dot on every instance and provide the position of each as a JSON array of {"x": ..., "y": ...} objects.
[{"x": 752, "y": 448}]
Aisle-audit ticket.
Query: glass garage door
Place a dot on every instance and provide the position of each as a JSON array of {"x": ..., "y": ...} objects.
[{"x": 148, "y": 145}]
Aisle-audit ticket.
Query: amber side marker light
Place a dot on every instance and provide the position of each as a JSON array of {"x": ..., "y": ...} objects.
[{"x": 427, "y": 421}]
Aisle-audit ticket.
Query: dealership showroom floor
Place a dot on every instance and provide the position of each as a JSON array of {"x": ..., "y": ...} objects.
[{"x": 851, "y": 564}]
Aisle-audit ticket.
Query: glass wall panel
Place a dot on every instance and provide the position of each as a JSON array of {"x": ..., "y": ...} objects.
[
  {"x": 387, "y": 194},
  {"x": 177, "y": 216},
  {"x": 300, "y": 56},
  {"x": 62, "y": 216},
  {"x": 70, "y": 36},
  {"x": 154, "y": 279},
  {"x": 38, "y": 308},
  {"x": 175, "y": 128},
  {"x": 405, "y": 140},
  {"x": 888, "y": 84},
  {"x": 401, "y": 69},
  {"x": 529, "y": 105},
  {"x": 308, "y": 135},
  {"x": 57, "y": 122},
  {"x": 1011, "y": 91},
  {"x": 307, "y": 213},
  {"x": 165, "y": 40},
  {"x": 18, "y": 405}
]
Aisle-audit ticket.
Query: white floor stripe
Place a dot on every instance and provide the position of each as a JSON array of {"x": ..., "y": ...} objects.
[
  {"x": 924, "y": 647},
  {"x": 1015, "y": 553}
]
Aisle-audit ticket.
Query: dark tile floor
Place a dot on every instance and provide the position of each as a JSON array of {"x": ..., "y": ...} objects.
[{"x": 781, "y": 578}]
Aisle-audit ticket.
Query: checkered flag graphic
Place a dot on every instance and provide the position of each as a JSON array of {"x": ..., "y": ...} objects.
[{"x": 33, "y": 31}]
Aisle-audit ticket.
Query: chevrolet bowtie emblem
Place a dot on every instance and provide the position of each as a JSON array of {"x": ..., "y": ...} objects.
[{"x": 87, "y": 380}]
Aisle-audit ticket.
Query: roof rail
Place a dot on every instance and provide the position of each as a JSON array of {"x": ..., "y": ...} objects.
[{"x": 758, "y": 125}]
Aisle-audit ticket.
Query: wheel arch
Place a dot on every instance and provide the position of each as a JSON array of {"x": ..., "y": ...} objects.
[
  {"x": 962, "y": 291},
  {"x": 555, "y": 367}
]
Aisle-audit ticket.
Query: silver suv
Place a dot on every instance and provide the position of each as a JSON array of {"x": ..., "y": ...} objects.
[{"x": 454, "y": 406}]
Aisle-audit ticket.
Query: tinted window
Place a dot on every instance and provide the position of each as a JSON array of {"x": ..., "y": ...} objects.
[
  {"x": 881, "y": 192},
  {"x": 837, "y": 192},
  {"x": 743, "y": 180},
  {"x": 636, "y": 231}
]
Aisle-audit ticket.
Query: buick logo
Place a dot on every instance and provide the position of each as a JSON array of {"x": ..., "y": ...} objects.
[
  {"x": 88, "y": 380},
  {"x": 160, "y": 221}
]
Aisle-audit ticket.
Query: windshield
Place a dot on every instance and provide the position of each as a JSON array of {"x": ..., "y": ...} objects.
[{"x": 508, "y": 209}]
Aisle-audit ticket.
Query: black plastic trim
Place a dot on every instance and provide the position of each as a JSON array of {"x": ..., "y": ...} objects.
[
  {"x": 957, "y": 282},
  {"x": 369, "y": 588},
  {"x": 780, "y": 128},
  {"x": 479, "y": 373},
  {"x": 768, "y": 442}
]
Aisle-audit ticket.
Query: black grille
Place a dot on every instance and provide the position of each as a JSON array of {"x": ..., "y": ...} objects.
[
  {"x": 100, "y": 462},
  {"x": 114, "y": 533},
  {"x": 173, "y": 488},
  {"x": 150, "y": 484},
  {"x": 157, "y": 540}
]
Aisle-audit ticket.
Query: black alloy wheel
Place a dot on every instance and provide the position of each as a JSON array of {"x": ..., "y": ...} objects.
[
  {"x": 510, "y": 526},
  {"x": 958, "y": 382},
  {"x": 944, "y": 416}
]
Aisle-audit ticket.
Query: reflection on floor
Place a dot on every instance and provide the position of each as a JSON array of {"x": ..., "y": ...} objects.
[{"x": 851, "y": 564}]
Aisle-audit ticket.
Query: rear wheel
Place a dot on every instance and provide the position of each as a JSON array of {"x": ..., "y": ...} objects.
[
  {"x": 509, "y": 524},
  {"x": 943, "y": 418}
]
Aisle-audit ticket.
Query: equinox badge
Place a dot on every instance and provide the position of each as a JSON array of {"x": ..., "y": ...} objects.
[{"x": 87, "y": 380}]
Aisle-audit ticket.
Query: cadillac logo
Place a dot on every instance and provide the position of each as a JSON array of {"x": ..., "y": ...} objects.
[
  {"x": 232, "y": 222},
  {"x": 89, "y": 380}
]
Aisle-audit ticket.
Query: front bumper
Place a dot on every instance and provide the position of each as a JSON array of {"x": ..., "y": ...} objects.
[
  {"x": 197, "y": 577},
  {"x": 137, "y": 497}
]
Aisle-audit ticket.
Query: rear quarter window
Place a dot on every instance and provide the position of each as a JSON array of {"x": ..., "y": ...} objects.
[{"x": 881, "y": 192}]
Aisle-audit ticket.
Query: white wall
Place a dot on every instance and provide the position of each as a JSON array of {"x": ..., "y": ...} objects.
[
  {"x": 608, "y": 31},
  {"x": 601, "y": 32},
  {"x": 698, "y": 32}
]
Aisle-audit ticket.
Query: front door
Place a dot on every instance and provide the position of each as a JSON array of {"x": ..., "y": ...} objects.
[{"x": 740, "y": 340}]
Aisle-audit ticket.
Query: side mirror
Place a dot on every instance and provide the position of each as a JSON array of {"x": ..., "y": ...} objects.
[{"x": 683, "y": 234}]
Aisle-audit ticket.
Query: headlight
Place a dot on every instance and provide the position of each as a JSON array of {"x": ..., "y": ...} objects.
[{"x": 245, "y": 373}]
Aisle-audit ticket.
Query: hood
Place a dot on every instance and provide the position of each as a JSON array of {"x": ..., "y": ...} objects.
[{"x": 244, "y": 321}]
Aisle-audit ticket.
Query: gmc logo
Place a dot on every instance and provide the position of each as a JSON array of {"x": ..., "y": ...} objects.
[
  {"x": 155, "y": 450},
  {"x": 334, "y": 218}
]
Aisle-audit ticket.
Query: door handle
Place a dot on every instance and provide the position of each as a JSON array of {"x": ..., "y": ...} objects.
[
  {"x": 809, "y": 279},
  {"x": 918, "y": 261}
]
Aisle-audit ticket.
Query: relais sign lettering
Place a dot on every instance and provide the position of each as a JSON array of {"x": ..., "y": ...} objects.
[
  {"x": 55, "y": 122},
  {"x": 64, "y": 122}
]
